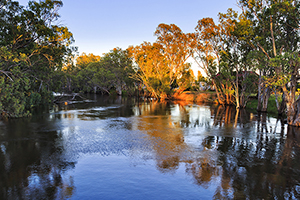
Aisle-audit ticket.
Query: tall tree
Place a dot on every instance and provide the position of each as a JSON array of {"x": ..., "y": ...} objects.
[
  {"x": 275, "y": 33},
  {"x": 220, "y": 53},
  {"x": 33, "y": 49},
  {"x": 162, "y": 64}
]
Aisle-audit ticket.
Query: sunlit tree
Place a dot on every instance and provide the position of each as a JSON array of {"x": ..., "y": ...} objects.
[
  {"x": 161, "y": 65},
  {"x": 84, "y": 59}
]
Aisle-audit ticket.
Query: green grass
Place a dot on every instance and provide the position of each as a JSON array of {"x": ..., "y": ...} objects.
[{"x": 272, "y": 109}]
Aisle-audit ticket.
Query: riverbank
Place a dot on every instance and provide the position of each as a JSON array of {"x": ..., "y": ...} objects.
[
  {"x": 211, "y": 97},
  {"x": 197, "y": 97}
]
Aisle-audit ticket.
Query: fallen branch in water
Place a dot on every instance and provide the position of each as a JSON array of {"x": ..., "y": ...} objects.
[{"x": 72, "y": 100}]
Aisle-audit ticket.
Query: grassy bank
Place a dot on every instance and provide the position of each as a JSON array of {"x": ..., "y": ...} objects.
[
  {"x": 211, "y": 97},
  {"x": 272, "y": 109}
]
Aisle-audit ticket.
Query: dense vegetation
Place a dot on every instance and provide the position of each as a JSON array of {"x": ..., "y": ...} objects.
[
  {"x": 254, "y": 52},
  {"x": 110, "y": 73},
  {"x": 32, "y": 51}
]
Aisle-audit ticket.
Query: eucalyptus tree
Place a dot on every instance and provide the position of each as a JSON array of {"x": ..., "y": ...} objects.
[
  {"x": 206, "y": 52},
  {"x": 120, "y": 63},
  {"x": 110, "y": 72},
  {"x": 275, "y": 33},
  {"x": 221, "y": 55},
  {"x": 162, "y": 65},
  {"x": 33, "y": 48}
]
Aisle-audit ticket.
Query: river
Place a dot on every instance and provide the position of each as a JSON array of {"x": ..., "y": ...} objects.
[{"x": 118, "y": 148}]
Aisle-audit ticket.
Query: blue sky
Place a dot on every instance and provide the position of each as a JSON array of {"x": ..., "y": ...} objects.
[{"x": 101, "y": 25}]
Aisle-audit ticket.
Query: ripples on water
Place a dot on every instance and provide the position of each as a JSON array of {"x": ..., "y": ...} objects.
[{"x": 123, "y": 149}]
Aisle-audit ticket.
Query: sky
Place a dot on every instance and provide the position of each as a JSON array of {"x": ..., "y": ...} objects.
[{"x": 98, "y": 26}]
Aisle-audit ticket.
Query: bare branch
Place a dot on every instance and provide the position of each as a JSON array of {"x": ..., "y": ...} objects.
[
  {"x": 6, "y": 73},
  {"x": 272, "y": 35},
  {"x": 263, "y": 50}
]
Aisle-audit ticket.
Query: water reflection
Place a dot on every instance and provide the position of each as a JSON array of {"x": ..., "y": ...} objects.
[
  {"x": 31, "y": 164},
  {"x": 248, "y": 159},
  {"x": 167, "y": 141},
  {"x": 230, "y": 154}
]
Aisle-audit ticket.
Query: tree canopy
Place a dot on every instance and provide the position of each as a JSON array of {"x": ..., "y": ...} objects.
[
  {"x": 33, "y": 48},
  {"x": 161, "y": 65}
]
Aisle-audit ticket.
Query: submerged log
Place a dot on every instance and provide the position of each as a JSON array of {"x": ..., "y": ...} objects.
[{"x": 71, "y": 98}]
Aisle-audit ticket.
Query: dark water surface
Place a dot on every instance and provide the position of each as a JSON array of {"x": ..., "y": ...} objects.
[{"x": 124, "y": 149}]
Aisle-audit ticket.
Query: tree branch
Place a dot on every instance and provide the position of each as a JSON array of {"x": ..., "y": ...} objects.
[{"x": 6, "y": 73}]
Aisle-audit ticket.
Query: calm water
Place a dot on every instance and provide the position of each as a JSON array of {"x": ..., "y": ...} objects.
[{"x": 124, "y": 149}]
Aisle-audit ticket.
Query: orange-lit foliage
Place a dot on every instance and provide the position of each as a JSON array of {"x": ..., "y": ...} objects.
[
  {"x": 176, "y": 49},
  {"x": 207, "y": 49},
  {"x": 213, "y": 47},
  {"x": 84, "y": 59},
  {"x": 163, "y": 63}
]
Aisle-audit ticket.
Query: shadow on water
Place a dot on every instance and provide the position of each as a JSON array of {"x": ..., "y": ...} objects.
[
  {"x": 32, "y": 163},
  {"x": 232, "y": 154}
]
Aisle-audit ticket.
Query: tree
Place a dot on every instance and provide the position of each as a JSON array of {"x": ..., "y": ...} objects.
[
  {"x": 118, "y": 61},
  {"x": 208, "y": 47},
  {"x": 33, "y": 49},
  {"x": 111, "y": 72},
  {"x": 275, "y": 34},
  {"x": 84, "y": 59},
  {"x": 219, "y": 52},
  {"x": 161, "y": 65},
  {"x": 234, "y": 55},
  {"x": 151, "y": 70}
]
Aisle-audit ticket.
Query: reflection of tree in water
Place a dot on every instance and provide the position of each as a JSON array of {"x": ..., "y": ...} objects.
[
  {"x": 259, "y": 164},
  {"x": 261, "y": 167},
  {"x": 31, "y": 167},
  {"x": 229, "y": 116},
  {"x": 203, "y": 170},
  {"x": 191, "y": 116},
  {"x": 262, "y": 163},
  {"x": 167, "y": 141}
]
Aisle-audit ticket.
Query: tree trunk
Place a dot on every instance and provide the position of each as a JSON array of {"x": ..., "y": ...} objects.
[
  {"x": 237, "y": 96},
  {"x": 266, "y": 96},
  {"x": 243, "y": 100},
  {"x": 69, "y": 84},
  {"x": 119, "y": 90},
  {"x": 259, "y": 97},
  {"x": 296, "y": 121},
  {"x": 292, "y": 111},
  {"x": 119, "y": 87},
  {"x": 282, "y": 107},
  {"x": 236, "y": 117},
  {"x": 221, "y": 101}
]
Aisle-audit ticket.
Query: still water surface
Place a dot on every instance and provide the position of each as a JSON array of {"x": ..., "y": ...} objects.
[{"x": 123, "y": 149}]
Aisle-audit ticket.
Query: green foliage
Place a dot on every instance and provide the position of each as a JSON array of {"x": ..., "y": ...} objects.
[
  {"x": 110, "y": 72},
  {"x": 272, "y": 109},
  {"x": 32, "y": 52},
  {"x": 13, "y": 97}
]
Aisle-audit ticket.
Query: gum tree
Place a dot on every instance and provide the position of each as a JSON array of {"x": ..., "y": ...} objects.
[
  {"x": 162, "y": 65},
  {"x": 33, "y": 49},
  {"x": 275, "y": 33}
]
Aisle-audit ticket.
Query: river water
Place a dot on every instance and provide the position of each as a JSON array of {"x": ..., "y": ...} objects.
[{"x": 124, "y": 149}]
